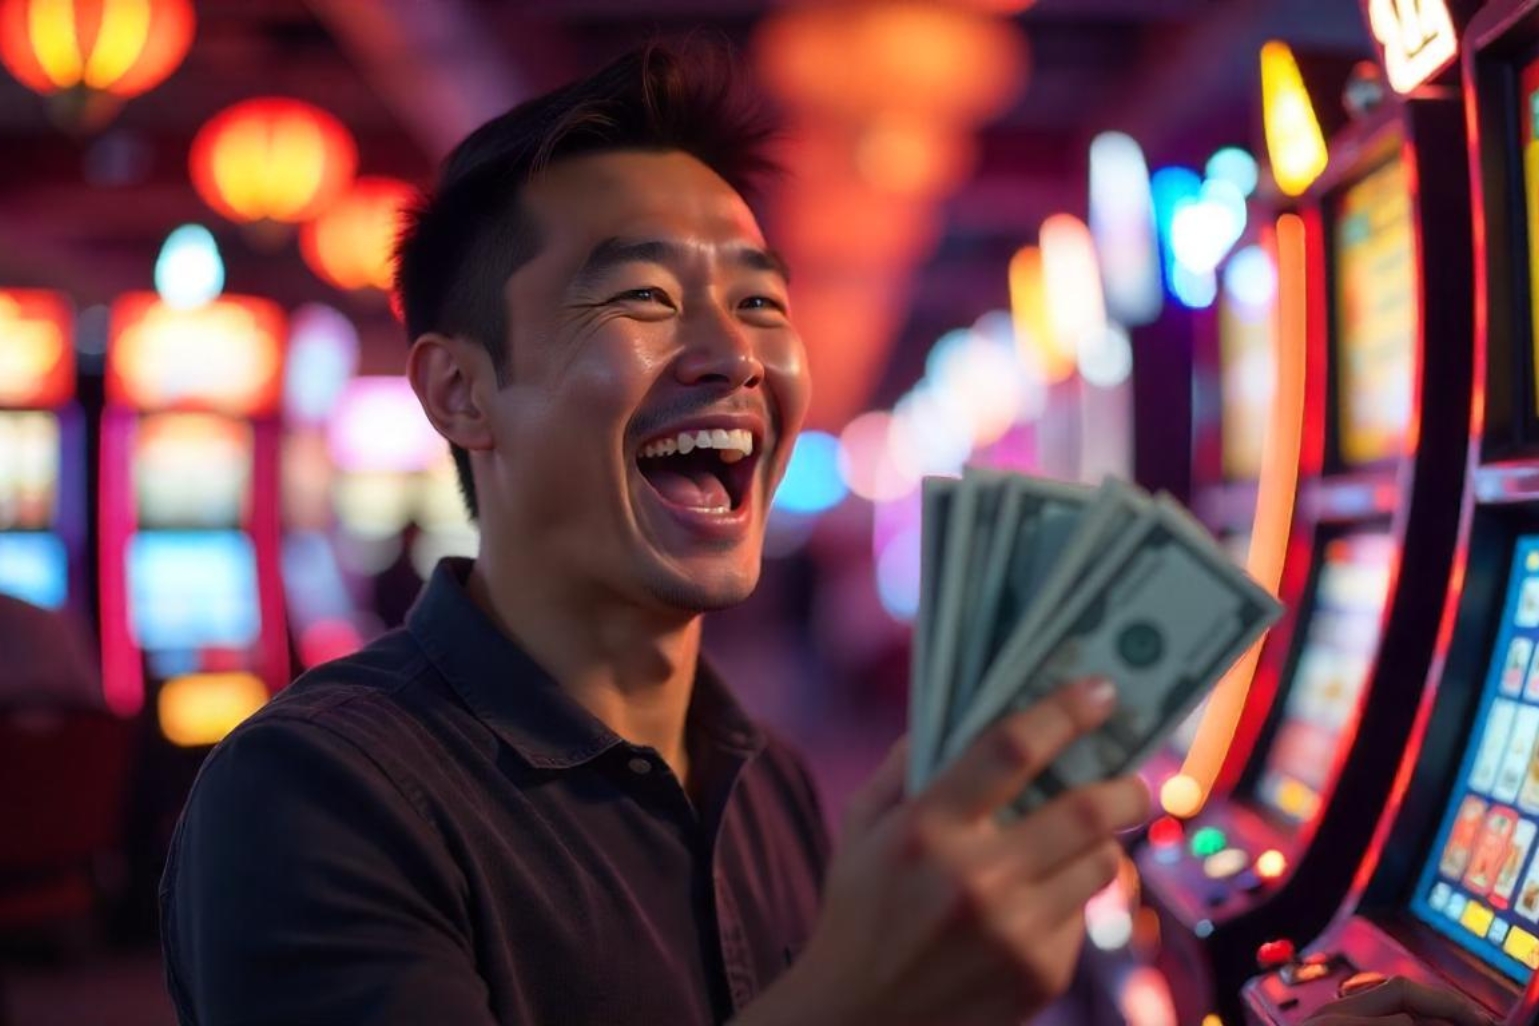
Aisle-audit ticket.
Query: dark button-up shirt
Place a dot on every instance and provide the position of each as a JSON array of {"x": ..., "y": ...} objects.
[{"x": 432, "y": 831}]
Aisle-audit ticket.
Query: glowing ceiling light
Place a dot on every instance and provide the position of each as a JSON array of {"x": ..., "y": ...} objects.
[
  {"x": 812, "y": 483},
  {"x": 1294, "y": 143},
  {"x": 1122, "y": 222},
  {"x": 189, "y": 271},
  {"x": 1235, "y": 166}
]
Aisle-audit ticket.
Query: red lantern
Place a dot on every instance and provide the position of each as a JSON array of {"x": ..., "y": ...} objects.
[
  {"x": 272, "y": 159},
  {"x": 121, "y": 47},
  {"x": 352, "y": 245}
]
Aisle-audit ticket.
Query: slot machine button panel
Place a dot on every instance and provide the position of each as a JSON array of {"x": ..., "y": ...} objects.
[{"x": 1359, "y": 982}]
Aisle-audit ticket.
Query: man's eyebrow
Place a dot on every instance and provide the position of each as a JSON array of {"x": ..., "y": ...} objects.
[{"x": 616, "y": 252}]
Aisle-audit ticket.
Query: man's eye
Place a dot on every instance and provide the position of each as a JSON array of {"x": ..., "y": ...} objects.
[
  {"x": 644, "y": 295},
  {"x": 763, "y": 303}
]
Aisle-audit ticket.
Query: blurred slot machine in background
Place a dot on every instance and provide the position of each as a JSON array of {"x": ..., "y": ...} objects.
[
  {"x": 43, "y": 505},
  {"x": 191, "y": 582},
  {"x": 1387, "y": 353},
  {"x": 326, "y": 616}
]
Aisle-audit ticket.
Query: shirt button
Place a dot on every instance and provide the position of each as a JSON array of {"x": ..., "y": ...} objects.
[{"x": 640, "y": 766}]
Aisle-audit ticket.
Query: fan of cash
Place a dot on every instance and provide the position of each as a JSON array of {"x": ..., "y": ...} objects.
[{"x": 1027, "y": 584}]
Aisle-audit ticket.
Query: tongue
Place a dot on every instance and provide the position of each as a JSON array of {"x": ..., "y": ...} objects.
[{"x": 697, "y": 488}]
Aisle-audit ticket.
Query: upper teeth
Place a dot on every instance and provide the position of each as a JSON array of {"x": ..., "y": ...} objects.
[{"x": 732, "y": 445}]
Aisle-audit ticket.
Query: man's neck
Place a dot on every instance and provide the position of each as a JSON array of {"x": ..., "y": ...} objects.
[{"x": 632, "y": 669}]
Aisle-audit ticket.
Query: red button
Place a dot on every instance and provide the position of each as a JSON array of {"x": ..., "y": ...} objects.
[{"x": 1274, "y": 953}]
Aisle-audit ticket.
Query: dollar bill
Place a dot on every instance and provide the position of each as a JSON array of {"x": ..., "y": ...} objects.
[
  {"x": 1035, "y": 520},
  {"x": 1051, "y": 570},
  {"x": 1163, "y": 615},
  {"x": 936, "y": 494}
]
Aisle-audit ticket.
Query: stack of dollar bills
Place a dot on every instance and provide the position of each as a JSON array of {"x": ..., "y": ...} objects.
[{"x": 1028, "y": 584}]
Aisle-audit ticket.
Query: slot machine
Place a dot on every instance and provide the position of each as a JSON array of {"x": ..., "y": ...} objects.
[
  {"x": 324, "y": 611},
  {"x": 1386, "y": 350},
  {"x": 192, "y": 611},
  {"x": 1448, "y": 891},
  {"x": 43, "y": 504}
]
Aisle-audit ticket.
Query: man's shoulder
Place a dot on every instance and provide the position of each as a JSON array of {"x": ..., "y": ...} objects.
[{"x": 368, "y": 709}]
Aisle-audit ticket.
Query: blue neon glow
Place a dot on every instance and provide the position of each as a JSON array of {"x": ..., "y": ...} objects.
[
  {"x": 1235, "y": 166},
  {"x": 34, "y": 567},
  {"x": 812, "y": 483},
  {"x": 1194, "y": 289},
  {"x": 1172, "y": 189},
  {"x": 189, "y": 271}
]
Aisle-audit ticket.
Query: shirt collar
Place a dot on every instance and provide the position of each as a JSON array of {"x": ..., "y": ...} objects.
[{"x": 517, "y": 699}]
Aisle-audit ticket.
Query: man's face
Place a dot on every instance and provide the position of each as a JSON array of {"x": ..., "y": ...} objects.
[{"x": 655, "y": 385}]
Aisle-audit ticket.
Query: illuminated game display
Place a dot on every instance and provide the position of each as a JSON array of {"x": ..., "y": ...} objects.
[
  {"x": 1480, "y": 885},
  {"x": 1334, "y": 665},
  {"x": 1376, "y": 314},
  {"x": 42, "y": 472}
]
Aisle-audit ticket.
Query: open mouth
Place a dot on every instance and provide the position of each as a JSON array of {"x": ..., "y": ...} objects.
[{"x": 707, "y": 471}]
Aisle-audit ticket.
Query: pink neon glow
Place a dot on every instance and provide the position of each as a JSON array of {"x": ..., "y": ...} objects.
[{"x": 379, "y": 425}]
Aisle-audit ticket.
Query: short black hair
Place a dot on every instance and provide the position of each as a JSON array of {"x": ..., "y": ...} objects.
[{"x": 462, "y": 239}]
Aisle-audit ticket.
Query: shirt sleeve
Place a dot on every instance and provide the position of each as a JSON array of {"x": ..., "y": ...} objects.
[{"x": 304, "y": 887}]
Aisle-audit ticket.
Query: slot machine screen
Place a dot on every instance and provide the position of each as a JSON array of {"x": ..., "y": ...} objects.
[
  {"x": 1528, "y": 114},
  {"x": 34, "y": 567},
  {"x": 1479, "y": 887},
  {"x": 192, "y": 470},
  {"x": 1331, "y": 670},
  {"x": 190, "y": 590},
  {"x": 1247, "y": 342},
  {"x": 1376, "y": 314},
  {"x": 29, "y": 469}
]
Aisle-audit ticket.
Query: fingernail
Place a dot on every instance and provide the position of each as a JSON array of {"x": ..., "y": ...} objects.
[{"x": 1098, "y": 693}]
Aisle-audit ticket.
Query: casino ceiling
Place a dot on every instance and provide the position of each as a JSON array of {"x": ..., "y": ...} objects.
[{"x": 1005, "y": 103}]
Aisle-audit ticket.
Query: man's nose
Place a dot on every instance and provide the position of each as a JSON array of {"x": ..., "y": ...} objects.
[{"x": 719, "y": 349}]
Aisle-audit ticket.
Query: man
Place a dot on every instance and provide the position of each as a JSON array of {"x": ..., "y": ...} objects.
[{"x": 535, "y": 804}]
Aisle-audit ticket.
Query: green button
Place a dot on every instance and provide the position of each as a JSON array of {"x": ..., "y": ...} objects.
[{"x": 1208, "y": 841}]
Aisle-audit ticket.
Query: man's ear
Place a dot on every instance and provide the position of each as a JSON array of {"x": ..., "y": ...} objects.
[{"x": 447, "y": 374}]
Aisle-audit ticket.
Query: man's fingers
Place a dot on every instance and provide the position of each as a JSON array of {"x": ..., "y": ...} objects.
[
  {"x": 1075, "y": 822},
  {"x": 1061, "y": 895},
  {"x": 1420, "y": 1003},
  {"x": 878, "y": 794},
  {"x": 1007, "y": 756}
]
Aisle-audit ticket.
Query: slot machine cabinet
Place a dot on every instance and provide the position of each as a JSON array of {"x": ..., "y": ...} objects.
[
  {"x": 43, "y": 504},
  {"x": 1448, "y": 891},
  {"x": 1387, "y": 370}
]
